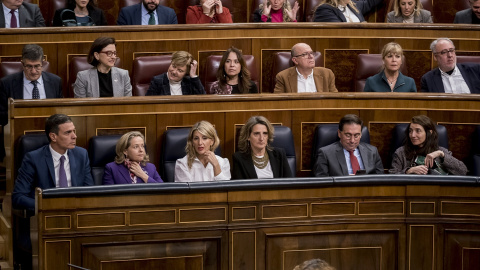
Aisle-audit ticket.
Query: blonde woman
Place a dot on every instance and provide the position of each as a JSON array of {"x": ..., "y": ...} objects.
[
  {"x": 201, "y": 164},
  {"x": 409, "y": 11},
  {"x": 131, "y": 163},
  {"x": 344, "y": 10},
  {"x": 276, "y": 11}
]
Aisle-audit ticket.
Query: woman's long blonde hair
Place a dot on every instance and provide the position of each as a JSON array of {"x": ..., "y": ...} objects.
[
  {"x": 336, "y": 3},
  {"x": 206, "y": 129},
  {"x": 286, "y": 6}
]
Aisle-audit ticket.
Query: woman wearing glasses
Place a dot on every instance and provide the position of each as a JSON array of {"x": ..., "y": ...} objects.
[{"x": 103, "y": 79}]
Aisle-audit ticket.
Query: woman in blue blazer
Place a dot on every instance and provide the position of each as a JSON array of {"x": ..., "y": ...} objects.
[
  {"x": 390, "y": 79},
  {"x": 130, "y": 166}
]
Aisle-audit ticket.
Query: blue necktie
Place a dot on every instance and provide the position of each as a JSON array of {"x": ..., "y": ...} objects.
[
  {"x": 62, "y": 176},
  {"x": 35, "y": 92}
]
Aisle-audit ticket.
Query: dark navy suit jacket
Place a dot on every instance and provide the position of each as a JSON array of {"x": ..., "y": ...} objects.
[
  {"x": 328, "y": 13},
  {"x": 11, "y": 86},
  {"x": 37, "y": 171},
  {"x": 432, "y": 80},
  {"x": 160, "y": 85},
  {"x": 243, "y": 167},
  {"x": 132, "y": 15},
  {"x": 119, "y": 174}
]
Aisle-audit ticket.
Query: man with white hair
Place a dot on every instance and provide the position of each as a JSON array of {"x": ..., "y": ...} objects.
[{"x": 450, "y": 77}]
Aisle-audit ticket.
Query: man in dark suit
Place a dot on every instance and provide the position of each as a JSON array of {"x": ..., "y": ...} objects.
[
  {"x": 349, "y": 155},
  {"x": 469, "y": 15},
  {"x": 149, "y": 12},
  {"x": 22, "y": 85},
  {"x": 16, "y": 13},
  {"x": 304, "y": 77},
  {"x": 58, "y": 164},
  {"x": 450, "y": 77}
]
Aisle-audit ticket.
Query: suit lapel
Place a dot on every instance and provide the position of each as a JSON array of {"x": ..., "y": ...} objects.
[
  {"x": 125, "y": 174},
  {"x": 138, "y": 15},
  {"x": 365, "y": 157},
  {"x": 17, "y": 88},
  {"x": 274, "y": 164},
  {"x": 73, "y": 168},
  {"x": 51, "y": 170},
  {"x": 342, "y": 162},
  {"x": 250, "y": 168},
  {"x": 2, "y": 19},
  {"x": 318, "y": 80},
  {"x": 292, "y": 80},
  {"x": 93, "y": 77},
  {"x": 47, "y": 86},
  {"x": 437, "y": 80},
  {"x": 116, "y": 83}
]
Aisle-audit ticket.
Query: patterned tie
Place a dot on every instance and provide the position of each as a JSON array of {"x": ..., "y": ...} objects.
[
  {"x": 35, "y": 92},
  {"x": 62, "y": 176},
  {"x": 354, "y": 162},
  {"x": 151, "y": 21},
  {"x": 13, "y": 20}
]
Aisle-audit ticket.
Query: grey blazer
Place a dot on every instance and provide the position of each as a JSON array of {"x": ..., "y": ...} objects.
[
  {"x": 331, "y": 160},
  {"x": 424, "y": 17},
  {"x": 86, "y": 84},
  {"x": 29, "y": 15},
  {"x": 463, "y": 16}
]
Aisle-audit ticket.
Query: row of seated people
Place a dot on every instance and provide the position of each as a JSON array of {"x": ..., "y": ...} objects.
[
  {"x": 193, "y": 155},
  {"x": 54, "y": 161},
  {"x": 153, "y": 12}
]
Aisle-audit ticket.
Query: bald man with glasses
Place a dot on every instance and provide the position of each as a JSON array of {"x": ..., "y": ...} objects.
[
  {"x": 450, "y": 77},
  {"x": 304, "y": 77}
]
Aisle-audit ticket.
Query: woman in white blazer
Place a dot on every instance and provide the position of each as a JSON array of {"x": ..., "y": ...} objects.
[{"x": 103, "y": 79}]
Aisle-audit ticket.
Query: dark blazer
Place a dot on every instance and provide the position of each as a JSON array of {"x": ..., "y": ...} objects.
[
  {"x": 95, "y": 13},
  {"x": 243, "y": 167},
  {"x": 464, "y": 16},
  {"x": 29, "y": 16},
  {"x": 11, "y": 86},
  {"x": 160, "y": 85},
  {"x": 329, "y": 13},
  {"x": 331, "y": 160},
  {"x": 119, "y": 174},
  {"x": 432, "y": 80},
  {"x": 379, "y": 83},
  {"x": 132, "y": 15},
  {"x": 37, "y": 171},
  {"x": 424, "y": 17}
]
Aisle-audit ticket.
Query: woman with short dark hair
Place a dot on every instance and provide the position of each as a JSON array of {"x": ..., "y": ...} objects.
[{"x": 103, "y": 79}]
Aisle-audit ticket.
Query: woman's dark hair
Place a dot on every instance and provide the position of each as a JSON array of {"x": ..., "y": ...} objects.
[
  {"x": 243, "y": 76},
  {"x": 97, "y": 46},
  {"x": 71, "y": 4},
  {"x": 431, "y": 138}
]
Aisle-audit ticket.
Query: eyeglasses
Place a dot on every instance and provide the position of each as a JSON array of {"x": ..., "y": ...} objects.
[
  {"x": 305, "y": 54},
  {"x": 110, "y": 53},
  {"x": 30, "y": 67},
  {"x": 355, "y": 136},
  {"x": 444, "y": 52}
]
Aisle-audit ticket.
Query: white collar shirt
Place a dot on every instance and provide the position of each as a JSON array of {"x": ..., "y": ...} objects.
[
  {"x": 56, "y": 166},
  {"x": 146, "y": 15},
  {"x": 200, "y": 173},
  {"x": 455, "y": 83},
  {"x": 8, "y": 16},
  {"x": 305, "y": 85},
  {"x": 348, "y": 13}
]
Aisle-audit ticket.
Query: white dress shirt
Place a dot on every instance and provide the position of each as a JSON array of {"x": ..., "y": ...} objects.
[
  {"x": 56, "y": 166},
  {"x": 8, "y": 16},
  {"x": 200, "y": 173},
  {"x": 28, "y": 88},
  {"x": 265, "y": 172},
  {"x": 305, "y": 85},
  {"x": 455, "y": 83},
  {"x": 348, "y": 13},
  {"x": 349, "y": 164}
]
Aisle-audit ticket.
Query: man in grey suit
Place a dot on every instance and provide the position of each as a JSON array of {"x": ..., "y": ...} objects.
[
  {"x": 348, "y": 156},
  {"x": 16, "y": 14},
  {"x": 469, "y": 15}
]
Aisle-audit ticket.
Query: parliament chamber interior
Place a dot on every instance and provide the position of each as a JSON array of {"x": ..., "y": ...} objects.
[{"x": 366, "y": 222}]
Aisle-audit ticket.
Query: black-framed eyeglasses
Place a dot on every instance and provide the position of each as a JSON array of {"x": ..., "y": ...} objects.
[
  {"x": 30, "y": 67},
  {"x": 444, "y": 52},
  {"x": 110, "y": 53},
  {"x": 306, "y": 54}
]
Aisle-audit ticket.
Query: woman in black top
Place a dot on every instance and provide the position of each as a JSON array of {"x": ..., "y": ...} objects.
[
  {"x": 233, "y": 76},
  {"x": 84, "y": 10}
]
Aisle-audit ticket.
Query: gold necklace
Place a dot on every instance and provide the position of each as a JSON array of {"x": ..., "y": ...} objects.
[{"x": 261, "y": 162}]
